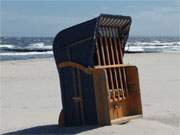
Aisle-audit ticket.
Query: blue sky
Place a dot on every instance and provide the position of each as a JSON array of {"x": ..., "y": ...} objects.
[{"x": 48, "y": 17}]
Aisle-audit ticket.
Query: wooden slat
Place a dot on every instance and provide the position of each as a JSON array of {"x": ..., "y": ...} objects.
[
  {"x": 107, "y": 51},
  {"x": 113, "y": 62},
  {"x": 110, "y": 71},
  {"x": 98, "y": 53},
  {"x": 124, "y": 73},
  {"x": 118, "y": 61},
  {"x": 134, "y": 94},
  {"x": 108, "y": 58},
  {"x": 110, "y": 95},
  {"x": 102, "y": 51},
  {"x": 114, "y": 66},
  {"x": 104, "y": 62},
  {"x": 102, "y": 56},
  {"x": 102, "y": 95},
  {"x": 118, "y": 89},
  {"x": 75, "y": 65}
]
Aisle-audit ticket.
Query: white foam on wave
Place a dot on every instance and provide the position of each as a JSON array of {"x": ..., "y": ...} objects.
[
  {"x": 153, "y": 46},
  {"x": 160, "y": 47},
  {"x": 24, "y": 53},
  {"x": 134, "y": 49},
  {"x": 35, "y": 46},
  {"x": 39, "y": 46},
  {"x": 154, "y": 43},
  {"x": 6, "y": 46}
]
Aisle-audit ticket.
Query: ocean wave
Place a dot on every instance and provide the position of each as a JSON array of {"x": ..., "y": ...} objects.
[
  {"x": 39, "y": 46},
  {"x": 153, "y": 43},
  {"x": 134, "y": 49},
  {"x": 6, "y": 46},
  {"x": 152, "y": 49},
  {"x": 41, "y": 49},
  {"x": 153, "y": 46},
  {"x": 24, "y": 53},
  {"x": 35, "y": 47}
]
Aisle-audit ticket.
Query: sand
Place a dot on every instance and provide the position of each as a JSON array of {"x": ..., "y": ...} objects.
[{"x": 30, "y": 97}]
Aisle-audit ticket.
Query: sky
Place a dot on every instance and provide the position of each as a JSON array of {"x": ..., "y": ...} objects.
[{"x": 32, "y": 18}]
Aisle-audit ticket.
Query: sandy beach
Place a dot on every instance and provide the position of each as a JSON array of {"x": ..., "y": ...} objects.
[{"x": 31, "y": 102}]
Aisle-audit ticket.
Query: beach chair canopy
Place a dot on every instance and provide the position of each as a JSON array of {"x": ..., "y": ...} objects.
[{"x": 81, "y": 38}]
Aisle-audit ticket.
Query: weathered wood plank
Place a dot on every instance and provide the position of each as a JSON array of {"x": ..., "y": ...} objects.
[{"x": 102, "y": 96}]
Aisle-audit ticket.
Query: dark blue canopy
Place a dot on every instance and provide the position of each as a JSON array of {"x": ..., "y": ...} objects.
[{"x": 85, "y": 34}]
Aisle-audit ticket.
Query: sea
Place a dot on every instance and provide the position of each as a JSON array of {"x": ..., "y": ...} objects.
[{"x": 23, "y": 48}]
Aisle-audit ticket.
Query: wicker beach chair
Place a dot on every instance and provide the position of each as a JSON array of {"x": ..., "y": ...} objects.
[{"x": 97, "y": 88}]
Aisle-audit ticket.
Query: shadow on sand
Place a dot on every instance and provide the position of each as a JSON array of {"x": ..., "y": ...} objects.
[{"x": 51, "y": 129}]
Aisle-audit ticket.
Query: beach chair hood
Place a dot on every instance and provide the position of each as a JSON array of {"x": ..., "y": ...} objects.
[{"x": 86, "y": 33}]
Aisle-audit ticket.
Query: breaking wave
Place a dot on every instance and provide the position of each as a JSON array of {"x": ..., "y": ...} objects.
[
  {"x": 154, "y": 46},
  {"x": 25, "y": 48},
  {"x": 36, "y": 47}
]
